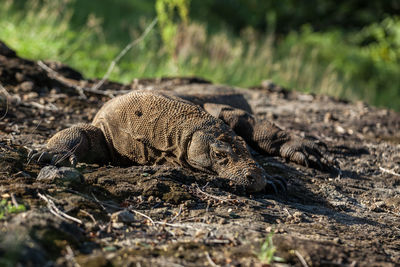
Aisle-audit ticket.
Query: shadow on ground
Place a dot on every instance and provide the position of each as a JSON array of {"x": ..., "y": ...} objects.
[{"x": 160, "y": 216}]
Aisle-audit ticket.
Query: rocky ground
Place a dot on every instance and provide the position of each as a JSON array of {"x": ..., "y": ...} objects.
[{"x": 159, "y": 216}]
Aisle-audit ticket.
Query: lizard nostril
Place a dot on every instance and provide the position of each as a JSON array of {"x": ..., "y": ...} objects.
[{"x": 249, "y": 177}]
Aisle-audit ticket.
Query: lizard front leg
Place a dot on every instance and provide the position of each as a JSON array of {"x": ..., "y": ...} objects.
[
  {"x": 270, "y": 139},
  {"x": 267, "y": 138},
  {"x": 79, "y": 143}
]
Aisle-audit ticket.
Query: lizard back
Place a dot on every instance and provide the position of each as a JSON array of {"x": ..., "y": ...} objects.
[{"x": 149, "y": 127}]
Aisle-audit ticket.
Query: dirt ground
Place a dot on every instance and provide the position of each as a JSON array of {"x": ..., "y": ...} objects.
[{"x": 160, "y": 216}]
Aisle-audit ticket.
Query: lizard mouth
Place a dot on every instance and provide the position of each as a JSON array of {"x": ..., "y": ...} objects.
[
  {"x": 253, "y": 179},
  {"x": 256, "y": 183}
]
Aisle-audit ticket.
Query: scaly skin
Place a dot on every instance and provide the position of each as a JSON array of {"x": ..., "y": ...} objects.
[
  {"x": 267, "y": 138},
  {"x": 202, "y": 133}
]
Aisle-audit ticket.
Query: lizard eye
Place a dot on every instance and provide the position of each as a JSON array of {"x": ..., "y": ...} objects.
[
  {"x": 219, "y": 154},
  {"x": 221, "y": 157},
  {"x": 220, "y": 150}
]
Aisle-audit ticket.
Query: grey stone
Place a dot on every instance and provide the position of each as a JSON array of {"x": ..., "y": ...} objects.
[
  {"x": 123, "y": 216},
  {"x": 60, "y": 175}
]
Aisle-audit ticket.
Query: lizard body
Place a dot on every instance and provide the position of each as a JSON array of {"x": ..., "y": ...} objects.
[{"x": 206, "y": 133}]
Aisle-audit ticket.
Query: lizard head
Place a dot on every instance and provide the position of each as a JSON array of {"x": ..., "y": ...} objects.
[{"x": 227, "y": 156}]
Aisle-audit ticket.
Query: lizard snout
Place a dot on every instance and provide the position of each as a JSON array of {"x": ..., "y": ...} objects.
[
  {"x": 250, "y": 177},
  {"x": 256, "y": 181}
]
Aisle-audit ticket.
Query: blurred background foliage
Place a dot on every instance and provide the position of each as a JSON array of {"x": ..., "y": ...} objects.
[{"x": 348, "y": 49}]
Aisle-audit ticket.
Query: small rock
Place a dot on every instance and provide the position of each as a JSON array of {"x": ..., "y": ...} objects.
[
  {"x": 26, "y": 86},
  {"x": 200, "y": 233},
  {"x": 268, "y": 84},
  {"x": 393, "y": 202},
  {"x": 63, "y": 175},
  {"x": 222, "y": 221},
  {"x": 336, "y": 240},
  {"x": 123, "y": 216},
  {"x": 117, "y": 225},
  {"x": 30, "y": 96},
  {"x": 305, "y": 98},
  {"x": 109, "y": 248},
  {"x": 339, "y": 129},
  {"x": 20, "y": 77},
  {"x": 328, "y": 117},
  {"x": 298, "y": 214}
]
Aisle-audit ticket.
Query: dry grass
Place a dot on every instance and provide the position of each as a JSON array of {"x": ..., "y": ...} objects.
[
  {"x": 248, "y": 60},
  {"x": 45, "y": 32}
]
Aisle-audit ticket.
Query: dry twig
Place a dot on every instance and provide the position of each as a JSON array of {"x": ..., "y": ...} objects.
[
  {"x": 99, "y": 202},
  {"x": 177, "y": 215},
  {"x": 210, "y": 261},
  {"x": 103, "y": 204},
  {"x": 224, "y": 199},
  {"x": 55, "y": 211},
  {"x": 64, "y": 81},
  {"x": 90, "y": 216},
  {"x": 48, "y": 107},
  {"x": 389, "y": 171},
  {"x": 7, "y": 101},
  {"x": 143, "y": 215},
  {"x": 14, "y": 200},
  {"x": 123, "y": 52},
  {"x": 176, "y": 225},
  {"x": 61, "y": 79},
  {"x": 301, "y": 258},
  {"x": 70, "y": 256}
]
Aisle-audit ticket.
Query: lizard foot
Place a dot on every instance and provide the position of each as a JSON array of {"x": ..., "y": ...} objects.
[
  {"x": 58, "y": 158},
  {"x": 308, "y": 153}
]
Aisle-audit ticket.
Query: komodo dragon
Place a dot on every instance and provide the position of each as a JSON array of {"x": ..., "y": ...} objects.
[{"x": 202, "y": 133}]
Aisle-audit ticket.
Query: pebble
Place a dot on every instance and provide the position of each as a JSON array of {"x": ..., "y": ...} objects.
[
  {"x": 329, "y": 117},
  {"x": 339, "y": 129},
  {"x": 268, "y": 84},
  {"x": 200, "y": 233},
  {"x": 27, "y": 86},
  {"x": 20, "y": 77},
  {"x": 117, "y": 225},
  {"x": 222, "y": 221},
  {"x": 305, "y": 97},
  {"x": 109, "y": 248},
  {"x": 123, "y": 216},
  {"x": 30, "y": 96},
  {"x": 63, "y": 175},
  {"x": 336, "y": 240}
]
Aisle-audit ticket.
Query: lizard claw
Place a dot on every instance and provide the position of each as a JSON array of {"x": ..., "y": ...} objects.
[
  {"x": 58, "y": 158},
  {"x": 308, "y": 153},
  {"x": 275, "y": 185}
]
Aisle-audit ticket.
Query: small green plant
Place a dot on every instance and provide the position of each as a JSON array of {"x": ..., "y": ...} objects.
[
  {"x": 355, "y": 65},
  {"x": 166, "y": 14},
  {"x": 6, "y": 207},
  {"x": 267, "y": 251}
]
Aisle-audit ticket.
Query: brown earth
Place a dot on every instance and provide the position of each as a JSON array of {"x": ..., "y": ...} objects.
[{"x": 174, "y": 217}]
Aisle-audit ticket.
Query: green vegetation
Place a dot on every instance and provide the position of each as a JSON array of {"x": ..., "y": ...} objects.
[
  {"x": 168, "y": 27},
  {"x": 349, "y": 50},
  {"x": 267, "y": 251},
  {"x": 6, "y": 207}
]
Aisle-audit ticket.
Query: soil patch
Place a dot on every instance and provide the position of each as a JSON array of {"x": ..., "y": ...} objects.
[{"x": 177, "y": 217}]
